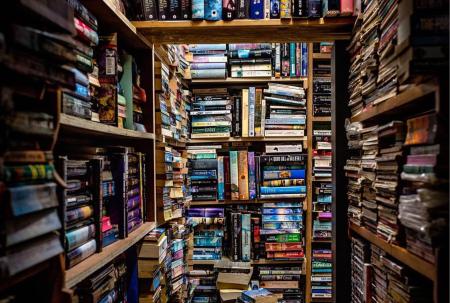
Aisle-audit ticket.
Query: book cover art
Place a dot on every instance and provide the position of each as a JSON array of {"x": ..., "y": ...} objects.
[
  {"x": 234, "y": 175},
  {"x": 246, "y": 237},
  {"x": 251, "y": 175},
  {"x": 220, "y": 179},
  {"x": 256, "y": 9},
  {"x": 243, "y": 175},
  {"x": 198, "y": 9},
  {"x": 228, "y": 10},
  {"x": 213, "y": 10},
  {"x": 285, "y": 9}
]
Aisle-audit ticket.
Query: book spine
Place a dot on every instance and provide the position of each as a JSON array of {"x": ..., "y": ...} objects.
[
  {"x": 251, "y": 111},
  {"x": 263, "y": 116},
  {"x": 252, "y": 175},
  {"x": 314, "y": 8},
  {"x": 228, "y": 10},
  {"x": 227, "y": 177},
  {"x": 234, "y": 175},
  {"x": 163, "y": 9},
  {"x": 208, "y": 73},
  {"x": 198, "y": 10},
  {"x": 285, "y": 9},
  {"x": 149, "y": 9},
  {"x": 277, "y": 60},
  {"x": 203, "y": 66},
  {"x": 285, "y": 60},
  {"x": 235, "y": 232},
  {"x": 298, "y": 59},
  {"x": 237, "y": 114},
  {"x": 284, "y": 132},
  {"x": 292, "y": 62},
  {"x": 186, "y": 12},
  {"x": 243, "y": 175},
  {"x": 246, "y": 237},
  {"x": 255, "y": 67},
  {"x": 267, "y": 9},
  {"x": 251, "y": 74},
  {"x": 256, "y": 9},
  {"x": 275, "y": 9},
  {"x": 283, "y": 190},
  {"x": 257, "y": 122},
  {"x": 300, "y": 9},
  {"x": 220, "y": 179},
  {"x": 304, "y": 59},
  {"x": 245, "y": 112},
  {"x": 213, "y": 10}
]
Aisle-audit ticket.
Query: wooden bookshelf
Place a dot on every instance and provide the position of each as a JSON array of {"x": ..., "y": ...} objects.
[
  {"x": 417, "y": 263},
  {"x": 79, "y": 126},
  {"x": 241, "y": 31},
  {"x": 112, "y": 20},
  {"x": 252, "y": 262},
  {"x": 246, "y": 139},
  {"x": 411, "y": 96},
  {"x": 247, "y": 80},
  {"x": 84, "y": 269},
  {"x": 322, "y": 56}
]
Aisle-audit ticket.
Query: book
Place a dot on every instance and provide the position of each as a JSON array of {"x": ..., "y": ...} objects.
[
  {"x": 256, "y": 9},
  {"x": 245, "y": 113},
  {"x": 220, "y": 178},
  {"x": 243, "y": 175},
  {"x": 234, "y": 175},
  {"x": 198, "y": 9},
  {"x": 213, "y": 10}
]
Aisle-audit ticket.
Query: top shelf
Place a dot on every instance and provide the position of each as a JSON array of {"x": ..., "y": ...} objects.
[
  {"x": 111, "y": 20},
  {"x": 238, "y": 31}
]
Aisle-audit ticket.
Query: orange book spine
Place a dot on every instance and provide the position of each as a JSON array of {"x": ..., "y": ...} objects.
[{"x": 243, "y": 175}]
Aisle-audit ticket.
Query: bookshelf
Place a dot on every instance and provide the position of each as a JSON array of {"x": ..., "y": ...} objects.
[
  {"x": 81, "y": 271},
  {"x": 246, "y": 139},
  {"x": 247, "y": 80},
  {"x": 274, "y": 30}
]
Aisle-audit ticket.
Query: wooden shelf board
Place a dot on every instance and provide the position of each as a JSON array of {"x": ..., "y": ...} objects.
[
  {"x": 417, "y": 263},
  {"x": 321, "y": 119},
  {"x": 275, "y": 30},
  {"x": 409, "y": 96},
  {"x": 246, "y": 139},
  {"x": 247, "y": 80},
  {"x": 322, "y": 56},
  {"x": 81, "y": 271},
  {"x": 85, "y": 127},
  {"x": 112, "y": 20}
]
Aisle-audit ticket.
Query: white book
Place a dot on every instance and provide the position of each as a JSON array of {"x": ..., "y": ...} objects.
[
  {"x": 202, "y": 151},
  {"x": 282, "y": 148},
  {"x": 263, "y": 115},
  {"x": 191, "y": 148},
  {"x": 251, "y": 67},
  {"x": 284, "y": 133},
  {"x": 210, "y": 112},
  {"x": 281, "y": 116},
  {"x": 281, "y": 196},
  {"x": 266, "y": 9},
  {"x": 322, "y": 132},
  {"x": 251, "y": 74},
  {"x": 211, "y": 123},
  {"x": 251, "y": 111},
  {"x": 210, "y": 135},
  {"x": 244, "y": 111}
]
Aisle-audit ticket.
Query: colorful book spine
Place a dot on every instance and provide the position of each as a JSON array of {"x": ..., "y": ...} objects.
[
  {"x": 275, "y": 9},
  {"x": 234, "y": 175},
  {"x": 75, "y": 238},
  {"x": 251, "y": 111},
  {"x": 284, "y": 174},
  {"x": 228, "y": 10},
  {"x": 243, "y": 175},
  {"x": 245, "y": 112},
  {"x": 304, "y": 60},
  {"x": 282, "y": 190},
  {"x": 292, "y": 54},
  {"x": 198, "y": 9},
  {"x": 285, "y": 60},
  {"x": 220, "y": 179},
  {"x": 256, "y": 9},
  {"x": 213, "y": 10},
  {"x": 285, "y": 9},
  {"x": 227, "y": 177},
  {"x": 246, "y": 237},
  {"x": 251, "y": 175},
  {"x": 298, "y": 59}
]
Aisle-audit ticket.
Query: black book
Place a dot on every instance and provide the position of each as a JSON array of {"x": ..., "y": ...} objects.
[
  {"x": 204, "y": 164},
  {"x": 236, "y": 236},
  {"x": 250, "y": 54},
  {"x": 243, "y": 7},
  {"x": 174, "y": 9},
  {"x": 237, "y": 116},
  {"x": 163, "y": 9},
  {"x": 228, "y": 10},
  {"x": 149, "y": 9},
  {"x": 249, "y": 61},
  {"x": 186, "y": 12},
  {"x": 300, "y": 8},
  {"x": 314, "y": 8}
]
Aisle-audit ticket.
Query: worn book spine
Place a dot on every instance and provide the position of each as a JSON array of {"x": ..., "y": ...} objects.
[
  {"x": 245, "y": 237},
  {"x": 234, "y": 175},
  {"x": 243, "y": 175},
  {"x": 220, "y": 179}
]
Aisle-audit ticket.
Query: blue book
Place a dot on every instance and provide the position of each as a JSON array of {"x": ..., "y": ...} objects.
[
  {"x": 292, "y": 61},
  {"x": 252, "y": 295},
  {"x": 282, "y": 211},
  {"x": 198, "y": 9},
  {"x": 246, "y": 237},
  {"x": 284, "y": 174},
  {"x": 286, "y": 121},
  {"x": 213, "y": 10},
  {"x": 282, "y": 190},
  {"x": 251, "y": 175},
  {"x": 304, "y": 70},
  {"x": 281, "y": 218},
  {"x": 251, "y": 111},
  {"x": 220, "y": 179},
  {"x": 274, "y": 9},
  {"x": 256, "y": 9},
  {"x": 193, "y": 48},
  {"x": 216, "y": 65}
]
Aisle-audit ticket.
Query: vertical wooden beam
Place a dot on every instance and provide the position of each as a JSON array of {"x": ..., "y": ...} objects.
[{"x": 339, "y": 111}]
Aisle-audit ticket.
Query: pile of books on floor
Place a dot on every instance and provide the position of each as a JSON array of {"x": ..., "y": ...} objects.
[
  {"x": 424, "y": 203},
  {"x": 322, "y": 154},
  {"x": 361, "y": 275},
  {"x": 260, "y": 295},
  {"x": 284, "y": 110},
  {"x": 203, "y": 172},
  {"x": 151, "y": 257},
  {"x": 209, "y": 61},
  {"x": 389, "y": 159},
  {"x": 208, "y": 224},
  {"x": 211, "y": 113},
  {"x": 282, "y": 176},
  {"x": 322, "y": 87},
  {"x": 282, "y": 230},
  {"x": 322, "y": 273},
  {"x": 286, "y": 280},
  {"x": 355, "y": 80},
  {"x": 353, "y": 172},
  {"x": 252, "y": 60}
]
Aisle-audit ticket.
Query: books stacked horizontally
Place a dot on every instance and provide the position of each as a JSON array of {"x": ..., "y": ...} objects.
[
  {"x": 322, "y": 273},
  {"x": 355, "y": 81},
  {"x": 209, "y": 61},
  {"x": 424, "y": 202},
  {"x": 282, "y": 230},
  {"x": 208, "y": 233},
  {"x": 282, "y": 176},
  {"x": 211, "y": 113},
  {"x": 322, "y": 227},
  {"x": 322, "y": 87},
  {"x": 77, "y": 102},
  {"x": 163, "y": 121},
  {"x": 322, "y": 154},
  {"x": 322, "y": 196},
  {"x": 389, "y": 159},
  {"x": 152, "y": 254},
  {"x": 283, "y": 279},
  {"x": 251, "y": 60},
  {"x": 361, "y": 271},
  {"x": 202, "y": 285},
  {"x": 285, "y": 111},
  {"x": 369, "y": 51},
  {"x": 260, "y": 295},
  {"x": 203, "y": 173}
]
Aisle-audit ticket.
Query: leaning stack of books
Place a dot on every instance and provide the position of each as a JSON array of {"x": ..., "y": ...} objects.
[
  {"x": 322, "y": 273},
  {"x": 389, "y": 159},
  {"x": 355, "y": 102},
  {"x": 209, "y": 61},
  {"x": 152, "y": 254},
  {"x": 322, "y": 151},
  {"x": 282, "y": 176},
  {"x": 322, "y": 87},
  {"x": 211, "y": 113},
  {"x": 424, "y": 201},
  {"x": 251, "y": 60},
  {"x": 361, "y": 271},
  {"x": 284, "y": 110}
]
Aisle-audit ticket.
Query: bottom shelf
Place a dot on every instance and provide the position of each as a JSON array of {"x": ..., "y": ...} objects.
[{"x": 81, "y": 271}]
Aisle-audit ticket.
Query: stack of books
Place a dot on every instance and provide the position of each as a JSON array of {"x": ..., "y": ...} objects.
[
  {"x": 322, "y": 196},
  {"x": 353, "y": 173},
  {"x": 163, "y": 120},
  {"x": 78, "y": 102},
  {"x": 322, "y": 87},
  {"x": 282, "y": 176},
  {"x": 152, "y": 254},
  {"x": 282, "y": 230},
  {"x": 209, "y": 61},
  {"x": 361, "y": 271},
  {"x": 202, "y": 285},
  {"x": 369, "y": 50},
  {"x": 285, "y": 111},
  {"x": 322, "y": 227},
  {"x": 203, "y": 172},
  {"x": 284, "y": 279},
  {"x": 387, "y": 185},
  {"x": 208, "y": 233},
  {"x": 355, "y": 81},
  {"x": 322, "y": 154},
  {"x": 424, "y": 202},
  {"x": 322, "y": 273},
  {"x": 211, "y": 113},
  {"x": 253, "y": 60},
  {"x": 260, "y": 295}
]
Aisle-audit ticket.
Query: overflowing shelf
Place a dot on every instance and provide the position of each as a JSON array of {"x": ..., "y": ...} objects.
[
  {"x": 273, "y": 30},
  {"x": 418, "y": 264},
  {"x": 81, "y": 271}
]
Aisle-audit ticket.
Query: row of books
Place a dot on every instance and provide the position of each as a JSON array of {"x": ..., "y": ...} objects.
[
  {"x": 387, "y": 40},
  {"x": 322, "y": 87},
  {"x": 278, "y": 110},
  {"x": 322, "y": 150},
  {"x": 248, "y": 60},
  {"x": 322, "y": 273},
  {"x": 214, "y": 10}
]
